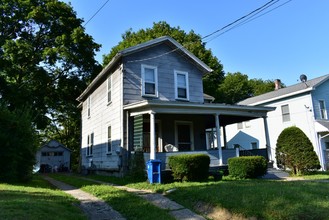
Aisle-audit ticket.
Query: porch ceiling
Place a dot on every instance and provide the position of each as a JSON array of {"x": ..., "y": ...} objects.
[{"x": 228, "y": 114}]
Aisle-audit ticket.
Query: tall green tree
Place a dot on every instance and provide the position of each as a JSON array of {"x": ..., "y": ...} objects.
[
  {"x": 237, "y": 87},
  {"x": 295, "y": 151},
  {"x": 190, "y": 41},
  {"x": 18, "y": 145},
  {"x": 46, "y": 61}
]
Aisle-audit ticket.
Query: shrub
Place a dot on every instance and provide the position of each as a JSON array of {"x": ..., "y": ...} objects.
[
  {"x": 295, "y": 151},
  {"x": 137, "y": 166},
  {"x": 190, "y": 167},
  {"x": 247, "y": 167},
  {"x": 18, "y": 145}
]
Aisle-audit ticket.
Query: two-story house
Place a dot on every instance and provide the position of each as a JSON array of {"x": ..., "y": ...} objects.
[
  {"x": 150, "y": 96},
  {"x": 304, "y": 105}
]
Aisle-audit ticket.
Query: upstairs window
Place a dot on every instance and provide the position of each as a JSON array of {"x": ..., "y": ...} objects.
[
  {"x": 285, "y": 113},
  {"x": 109, "y": 140},
  {"x": 109, "y": 89},
  {"x": 181, "y": 85},
  {"x": 89, "y": 106},
  {"x": 323, "y": 111},
  {"x": 149, "y": 81}
]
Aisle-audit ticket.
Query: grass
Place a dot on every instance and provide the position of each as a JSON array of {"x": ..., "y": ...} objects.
[
  {"x": 37, "y": 200},
  {"x": 129, "y": 205},
  {"x": 263, "y": 199},
  {"x": 317, "y": 176}
]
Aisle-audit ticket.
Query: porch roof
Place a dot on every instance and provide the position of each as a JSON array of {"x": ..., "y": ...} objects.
[{"x": 228, "y": 114}]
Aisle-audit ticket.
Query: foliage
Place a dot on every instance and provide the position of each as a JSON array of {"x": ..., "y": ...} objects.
[
  {"x": 247, "y": 167},
  {"x": 190, "y": 167},
  {"x": 190, "y": 41},
  {"x": 18, "y": 145},
  {"x": 46, "y": 61},
  {"x": 37, "y": 200},
  {"x": 237, "y": 87},
  {"x": 137, "y": 166},
  {"x": 295, "y": 151}
]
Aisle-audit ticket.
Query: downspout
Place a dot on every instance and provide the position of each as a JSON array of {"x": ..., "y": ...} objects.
[{"x": 322, "y": 161}]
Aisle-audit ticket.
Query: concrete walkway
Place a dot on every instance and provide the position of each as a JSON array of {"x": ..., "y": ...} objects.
[
  {"x": 98, "y": 209},
  {"x": 95, "y": 208}
]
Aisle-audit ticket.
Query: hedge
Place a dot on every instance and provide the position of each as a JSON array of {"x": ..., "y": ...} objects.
[
  {"x": 247, "y": 167},
  {"x": 189, "y": 167}
]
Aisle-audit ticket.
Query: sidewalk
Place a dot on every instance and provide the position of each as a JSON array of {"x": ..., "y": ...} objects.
[
  {"x": 95, "y": 208},
  {"x": 104, "y": 211}
]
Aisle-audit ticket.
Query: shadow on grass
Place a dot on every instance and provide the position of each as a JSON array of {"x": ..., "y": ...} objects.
[{"x": 18, "y": 202}]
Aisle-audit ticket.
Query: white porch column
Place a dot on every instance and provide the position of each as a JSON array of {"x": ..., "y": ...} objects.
[
  {"x": 224, "y": 137},
  {"x": 218, "y": 140},
  {"x": 267, "y": 138},
  {"x": 152, "y": 135}
]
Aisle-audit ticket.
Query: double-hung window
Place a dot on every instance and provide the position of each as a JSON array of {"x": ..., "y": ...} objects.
[
  {"x": 323, "y": 112},
  {"x": 109, "y": 89},
  {"x": 109, "y": 140},
  {"x": 285, "y": 113},
  {"x": 90, "y": 144},
  {"x": 149, "y": 81},
  {"x": 89, "y": 106},
  {"x": 181, "y": 85}
]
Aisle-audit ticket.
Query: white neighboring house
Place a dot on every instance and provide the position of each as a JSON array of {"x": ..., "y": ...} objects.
[
  {"x": 53, "y": 156},
  {"x": 304, "y": 105}
]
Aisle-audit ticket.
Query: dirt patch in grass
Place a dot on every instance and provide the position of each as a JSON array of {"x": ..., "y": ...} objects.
[{"x": 217, "y": 213}]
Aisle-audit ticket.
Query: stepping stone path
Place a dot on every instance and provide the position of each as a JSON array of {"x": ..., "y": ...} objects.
[{"x": 97, "y": 209}]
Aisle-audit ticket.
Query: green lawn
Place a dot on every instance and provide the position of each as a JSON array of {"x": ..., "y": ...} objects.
[
  {"x": 37, "y": 200},
  {"x": 129, "y": 205},
  {"x": 262, "y": 199}
]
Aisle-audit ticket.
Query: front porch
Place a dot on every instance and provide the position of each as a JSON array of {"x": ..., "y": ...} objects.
[{"x": 188, "y": 128}]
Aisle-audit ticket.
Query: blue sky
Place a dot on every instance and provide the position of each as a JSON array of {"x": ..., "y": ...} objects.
[{"x": 283, "y": 44}]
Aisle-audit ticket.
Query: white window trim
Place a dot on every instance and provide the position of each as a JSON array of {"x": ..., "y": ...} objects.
[
  {"x": 111, "y": 87},
  {"x": 90, "y": 144},
  {"x": 324, "y": 116},
  {"x": 251, "y": 143},
  {"x": 155, "y": 79},
  {"x": 285, "y": 113},
  {"x": 89, "y": 107},
  {"x": 186, "y": 82},
  {"x": 190, "y": 123},
  {"x": 109, "y": 139}
]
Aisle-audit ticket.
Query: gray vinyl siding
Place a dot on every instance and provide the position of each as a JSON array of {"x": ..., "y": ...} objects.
[
  {"x": 103, "y": 114},
  {"x": 320, "y": 93},
  {"x": 166, "y": 65}
]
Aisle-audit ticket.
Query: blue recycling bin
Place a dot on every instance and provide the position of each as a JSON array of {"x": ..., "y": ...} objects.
[{"x": 154, "y": 171}]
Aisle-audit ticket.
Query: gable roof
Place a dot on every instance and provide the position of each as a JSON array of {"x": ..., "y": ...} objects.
[
  {"x": 286, "y": 92},
  {"x": 176, "y": 47},
  {"x": 54, "y": 145}
]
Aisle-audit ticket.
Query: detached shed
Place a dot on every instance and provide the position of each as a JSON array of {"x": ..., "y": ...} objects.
[{"x": 53, "y": 156}]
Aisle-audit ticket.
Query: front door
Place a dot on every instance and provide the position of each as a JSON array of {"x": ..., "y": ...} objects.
[{"x": 184, "y": 136}]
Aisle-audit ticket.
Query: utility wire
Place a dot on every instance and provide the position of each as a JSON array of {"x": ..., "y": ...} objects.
[
  {"x": 250, "y": 19},
  {"x": 96, "y": 13},
  {"x": 241, "y": 18},
  {"x": 238, "y": 22}
]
